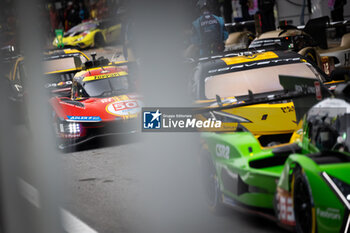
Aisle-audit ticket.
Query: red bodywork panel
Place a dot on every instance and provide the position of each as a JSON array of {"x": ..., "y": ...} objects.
[{"x": 124, "y": 106}]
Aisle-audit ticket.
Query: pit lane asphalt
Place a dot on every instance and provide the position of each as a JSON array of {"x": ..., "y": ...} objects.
[
  {"x": 105, "y": 186},
  {"x": 105, "y": 191}
]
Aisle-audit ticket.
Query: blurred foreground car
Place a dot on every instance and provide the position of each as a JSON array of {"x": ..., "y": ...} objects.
[
  {"x": 237, "y": 79},
  {"x": 103, "y": 102},
  {"x": 304, "y": 187},
  {"x": 91, "y": 34}
]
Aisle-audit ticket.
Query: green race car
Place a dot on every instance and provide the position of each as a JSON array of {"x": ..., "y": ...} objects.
[{"x": 304, "y": 186}]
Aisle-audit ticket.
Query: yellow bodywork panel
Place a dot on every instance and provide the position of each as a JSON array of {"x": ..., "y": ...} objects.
[
  {"x": 250, "y": 58},
  {"x": 268, "y": 118},
  {"x": 264, "y": 119}
]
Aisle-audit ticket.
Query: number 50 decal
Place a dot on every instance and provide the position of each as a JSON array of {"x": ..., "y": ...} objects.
[
  {"x": 123, "y": 108},
  {"x": 124, "y": 105}
]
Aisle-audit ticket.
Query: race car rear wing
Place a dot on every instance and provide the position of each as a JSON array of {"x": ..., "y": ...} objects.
[{"x": 304, "y": 92}]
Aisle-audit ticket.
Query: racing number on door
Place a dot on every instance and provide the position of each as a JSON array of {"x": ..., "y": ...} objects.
[
  {"x": 125, "y": 105},
  {"x": 286, "y": 213},
  {"x": 223, "y": 151},
  {"x": 287, "y": 109}
]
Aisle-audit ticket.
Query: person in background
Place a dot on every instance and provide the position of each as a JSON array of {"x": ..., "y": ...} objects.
[
  {"x": 54, "y": 18},
  {"x": 337, "y": 14},
  {"x": 66, "y": 17},
  {"x": 228, "y": 11},
  {"x": 102, "y": 11},
  {"x": 93, "y": 11},
  {"x": 74, "y": 15},
  {"x": 214, "y": 7},
  {"x": 83, "y": 12},
  {"x": 245, "y": 4},
  {"x": 267, "y": 15},
  {"x": 208, "y": 31}
]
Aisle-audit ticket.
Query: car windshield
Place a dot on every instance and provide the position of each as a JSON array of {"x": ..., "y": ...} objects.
[
  {"x": 262, "y": 80},
  {"x": 107, "y": 87},
  {"x": 277, "y": 43},
  {"x": 265, "y": 42},
  {"x": 82, "y": 27}
]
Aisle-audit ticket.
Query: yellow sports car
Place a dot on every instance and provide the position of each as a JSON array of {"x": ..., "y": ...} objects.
[
  {"x": 59, "y": 66},
  {"x": 241, "y": 79},
  {"x": 90, "y": 34}
]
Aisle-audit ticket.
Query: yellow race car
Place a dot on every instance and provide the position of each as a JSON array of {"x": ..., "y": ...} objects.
[
  {"x": 59, "y": 66},
  {"x": 240, "y": 79},
  {"x": 90, "y": 34}
]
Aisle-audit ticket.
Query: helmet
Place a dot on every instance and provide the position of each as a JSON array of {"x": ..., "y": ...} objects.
[
  {"x": 328, "y": 125},
  {"x": 202, "y": 4}
]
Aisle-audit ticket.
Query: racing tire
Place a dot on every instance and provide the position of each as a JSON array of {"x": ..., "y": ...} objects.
[
  {"x": 60, "y": 145},
  {"x": 55, "y": 123},
  {"x": 211, "y": 184},
  {"x": 99, "y": 41},
  {"x": 304, "y": 211}
]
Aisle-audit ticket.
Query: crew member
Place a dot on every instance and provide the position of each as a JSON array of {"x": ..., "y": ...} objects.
[
  {"x": 209, "y": 32},
  {"x": 337, "y": 14},
  {"x": 267, "y": 15}
]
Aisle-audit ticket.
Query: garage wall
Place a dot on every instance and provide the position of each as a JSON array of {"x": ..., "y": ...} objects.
[
  {"x": 291, "y": 10},
  {"x": 347, "y": 10}
]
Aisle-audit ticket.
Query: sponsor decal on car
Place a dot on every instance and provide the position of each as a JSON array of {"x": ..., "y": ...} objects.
[
  {"x": 250, "y": 65},
  {"x": 124, "y": 108},
  {"x": 103, "y": 76},
  {"x": 49, "y": 85},
  {"x": 285, "y": 207},
  {"x": 329, "y": 213},
  {"x": 84, "y": 118}
]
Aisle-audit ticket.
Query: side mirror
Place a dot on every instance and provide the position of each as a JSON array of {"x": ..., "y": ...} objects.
[{"x": 340, "y": 74}]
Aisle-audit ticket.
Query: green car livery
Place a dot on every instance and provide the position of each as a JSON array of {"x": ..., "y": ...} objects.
[{"x": 304, "y": 186}]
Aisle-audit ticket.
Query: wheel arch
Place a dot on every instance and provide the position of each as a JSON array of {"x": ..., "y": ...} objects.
[
  {"x": 96, "y": 33},
  {"x": 314, "y": 55},
  {"x": 322, "y": 197}
]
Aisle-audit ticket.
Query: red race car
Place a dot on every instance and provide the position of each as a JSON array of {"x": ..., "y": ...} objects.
[{"x": 103, "y": 102}]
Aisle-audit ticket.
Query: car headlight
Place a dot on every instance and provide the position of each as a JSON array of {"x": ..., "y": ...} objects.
[
  {"x": 341, "y": 188},
  {"x": 80, "y": 38},
  {"x": 71, "y": 129}
]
